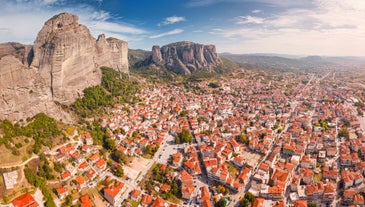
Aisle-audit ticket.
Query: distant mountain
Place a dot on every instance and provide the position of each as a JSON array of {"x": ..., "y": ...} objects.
[
  {"x": 136, "y": 56},
  {"x": 279, "y": 63},
  {"x": 180, "y": 57},
  {"x": 289, "y": 62}
]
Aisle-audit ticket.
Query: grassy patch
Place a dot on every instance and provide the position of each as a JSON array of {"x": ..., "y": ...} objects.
[
  {"x": 7, "y": 157},
  {"x": 134, "y": 203},
  {"x": 173, "y": 199},
  {"x": 70, "y": 130},
  {"x": 148, "y": 175},
  {"x": 233, "y": 171},
  {"x": 318, "y": 177}
]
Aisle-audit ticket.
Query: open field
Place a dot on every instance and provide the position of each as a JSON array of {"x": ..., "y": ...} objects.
[
  {"x": 8, "y": 158},
  {"x": 134, "y": 169}
]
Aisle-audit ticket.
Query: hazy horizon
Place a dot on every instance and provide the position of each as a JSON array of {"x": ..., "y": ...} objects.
[{"x": 300, "y": 28}]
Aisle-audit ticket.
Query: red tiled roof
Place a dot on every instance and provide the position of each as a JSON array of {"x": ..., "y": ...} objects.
[
  {"x": 25, "y": 200},
  {"x": 85, "y": 201}
]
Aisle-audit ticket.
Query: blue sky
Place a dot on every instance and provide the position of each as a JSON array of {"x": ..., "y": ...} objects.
[{"x": 298, "y": 27}]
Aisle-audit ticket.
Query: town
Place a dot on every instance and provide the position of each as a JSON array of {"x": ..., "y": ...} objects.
[{"x": 284, "y": 139}]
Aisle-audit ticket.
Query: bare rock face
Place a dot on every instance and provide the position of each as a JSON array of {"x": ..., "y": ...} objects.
[
  {"x": 64, "y": 60},
  {"x": 24, "y": 93},
  {"x": 186, "y": 57},
  {"x": 112, "y": 52},
  {"x": 156, "y": 54},
  {"x": 21, "y": 52},
  {"x": 65, "y": 54}
]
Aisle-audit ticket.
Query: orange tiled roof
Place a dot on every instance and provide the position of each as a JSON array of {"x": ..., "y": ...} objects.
[
  {"x": 85, "y": 201},
  {"x": 25, "y": 200},
  {"x": 259, "y": 202},
  {"x": 112, "y": 191}
]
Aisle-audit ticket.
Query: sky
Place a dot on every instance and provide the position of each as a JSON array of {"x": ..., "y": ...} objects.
[{"x": 295, "y": 27}]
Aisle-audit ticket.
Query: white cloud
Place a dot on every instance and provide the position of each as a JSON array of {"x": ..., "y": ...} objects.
[
  {"x": 330, "y": 27},
  {"x": 172, "y": 32},
  {"x": 281, "y": 3},
  {"x": 256, "y": 11},
  {"x": 114, "y": 27},
  {"x": 22, "y": 19},
  {"x": 172, "y": 20},
  {"x": 249, "y": 20}
]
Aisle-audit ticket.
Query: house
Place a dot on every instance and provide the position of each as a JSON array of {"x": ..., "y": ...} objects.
[
  {"x": 146, "y": 200},
  {"x": 358, "y": 200},
  {"x": 25, "y": 200},
  {"x": 300, "y": 203},
  {"x": 348, "y": 196},
  {"x": 204, "y": 198},
  {"x": 159, "y": 202},
  {"x": 238, "y": 161},
  {"x": 113, "y": 193},
  {"x": 329, "y": 193},
  {"x": 165, "y": 187},
  {"x": 193, "y": 167},
  {"x": 85, "y": 201},
  {"x": 245, "y": 175},
  {"x": 280, "y": 178},
  {"x": 91, "y": 174},
  {"x": 88, "y": 140},
  {"x": 65, "y": 175},
  {"x": 263, "y": 174},
  {"x": 94, "y": 158},
  {"x": 259, "y": 202},
  {"x": 307, "y": 175},
  {"x": 76, "y": 156},
  {"x": 135, "y": 194},
  {"x": 62, "y": 192},
  {"x": 272, "y": 192},
  {"x": 187, "y": 187},
  {"x": 330, "y": 174},
  {"x": 100, "y": 165},
  {"x": 81, "y": 182},
  {"x": 84, "y": 166},
  {"x": 295, "y": 183}
]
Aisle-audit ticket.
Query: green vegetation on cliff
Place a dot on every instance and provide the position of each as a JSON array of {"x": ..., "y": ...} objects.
[
  {"x": 40, "y": 128},
  {"x": 116, "y": 87}
]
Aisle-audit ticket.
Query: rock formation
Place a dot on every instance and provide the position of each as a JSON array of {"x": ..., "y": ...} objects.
[
  {"x": 186, "y": 57},
  {"x": 64, "y": 60}
]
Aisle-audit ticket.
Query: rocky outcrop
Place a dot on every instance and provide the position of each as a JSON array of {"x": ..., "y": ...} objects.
[
  {"x": 65, "y": 53},
  {"x": 63, "y": 61},
  {"x": 186, "y": 57}
]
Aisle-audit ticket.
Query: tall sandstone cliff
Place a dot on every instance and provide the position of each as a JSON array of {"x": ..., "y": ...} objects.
[
  {"x": 64, "y": 60},
  {"x": 186, "y": 57}
]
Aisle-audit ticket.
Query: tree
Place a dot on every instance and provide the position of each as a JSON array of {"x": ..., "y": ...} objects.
[
  {"x": 183, "y": 113},
  {"x": 344, "y": 133},
  {"x": 57, "y": 166},
  {"x": 118, "y": 156},
  {"x": 221, "y": 203},
  {"x": 148, "y": 149},
  {"x": 242, "y": 138},
  {"x": 185, "y": 136},
  {"x": 221, "y": 189},
  {"x": 250, "y": 197},
  {"x": 110, "y": 144},
  {"x": 68, "y": 201},
  {"x": 244, "y": 202},
  {"x": 177, "y": 140},
  {"x": 312, "y": 205},
  {"x": 119, "y": 172}
]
